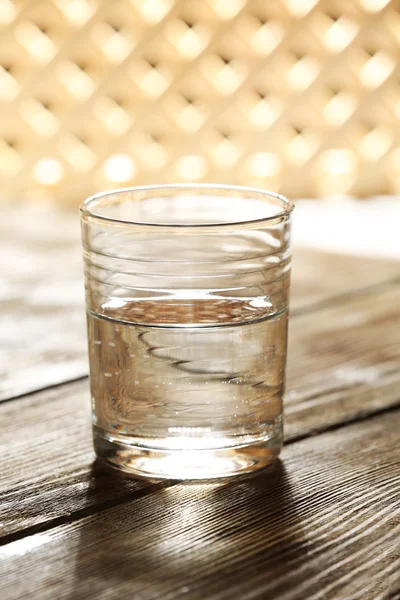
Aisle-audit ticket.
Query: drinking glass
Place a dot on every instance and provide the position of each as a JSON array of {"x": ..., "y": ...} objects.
[{"x": 187, "y": 308}]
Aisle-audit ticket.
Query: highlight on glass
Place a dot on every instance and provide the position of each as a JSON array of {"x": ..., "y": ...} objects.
[{"x": 187, "y": 291}]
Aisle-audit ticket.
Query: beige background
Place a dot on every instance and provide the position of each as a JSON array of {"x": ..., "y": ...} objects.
[{"x": 299, "y": 96}]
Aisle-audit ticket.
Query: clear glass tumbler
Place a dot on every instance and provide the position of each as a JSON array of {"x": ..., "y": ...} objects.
[{"x": 187, "y": 304}]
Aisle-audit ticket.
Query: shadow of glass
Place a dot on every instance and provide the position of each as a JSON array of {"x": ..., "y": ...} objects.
[{"x": 205, "y": 539}]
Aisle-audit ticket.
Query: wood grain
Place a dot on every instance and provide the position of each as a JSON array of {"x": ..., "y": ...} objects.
[
  {"x": 42, "y": 319},
  {"x": 322, "y": 277},
  {"x": 47, "y": 450},
  {"x": 42, "y": 314},
  {"x": 344, "y": 363},
  {"x": 323, "y": 523}
]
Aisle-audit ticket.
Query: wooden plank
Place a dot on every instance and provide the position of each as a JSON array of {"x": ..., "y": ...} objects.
[
  {"x": 41, "y": 298},
  {"x": 323, "y": 523},
  {"x": 318, "y": 277},
  {"x": 343, "y": 364},
  {"x": 42, "y": 316},
  {"x": 48, "y": 459}
]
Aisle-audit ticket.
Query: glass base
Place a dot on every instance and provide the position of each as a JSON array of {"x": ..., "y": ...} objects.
[{"x": 161, "y": 463}]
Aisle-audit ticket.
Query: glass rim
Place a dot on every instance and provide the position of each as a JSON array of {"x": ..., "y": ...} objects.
[{"x": 287, "y": 205}]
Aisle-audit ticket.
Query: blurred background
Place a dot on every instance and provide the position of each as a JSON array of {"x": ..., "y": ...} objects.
[{"x": 297, "y": 96}]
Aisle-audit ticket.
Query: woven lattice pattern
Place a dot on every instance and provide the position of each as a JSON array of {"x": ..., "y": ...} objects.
[{"x": 299, "y": 96}]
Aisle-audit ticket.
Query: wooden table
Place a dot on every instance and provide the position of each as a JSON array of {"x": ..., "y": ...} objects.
[{"x": 321, "y": 523}]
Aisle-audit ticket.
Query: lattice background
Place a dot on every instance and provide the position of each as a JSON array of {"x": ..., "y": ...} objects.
[{"x": 299, "y": 96}]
